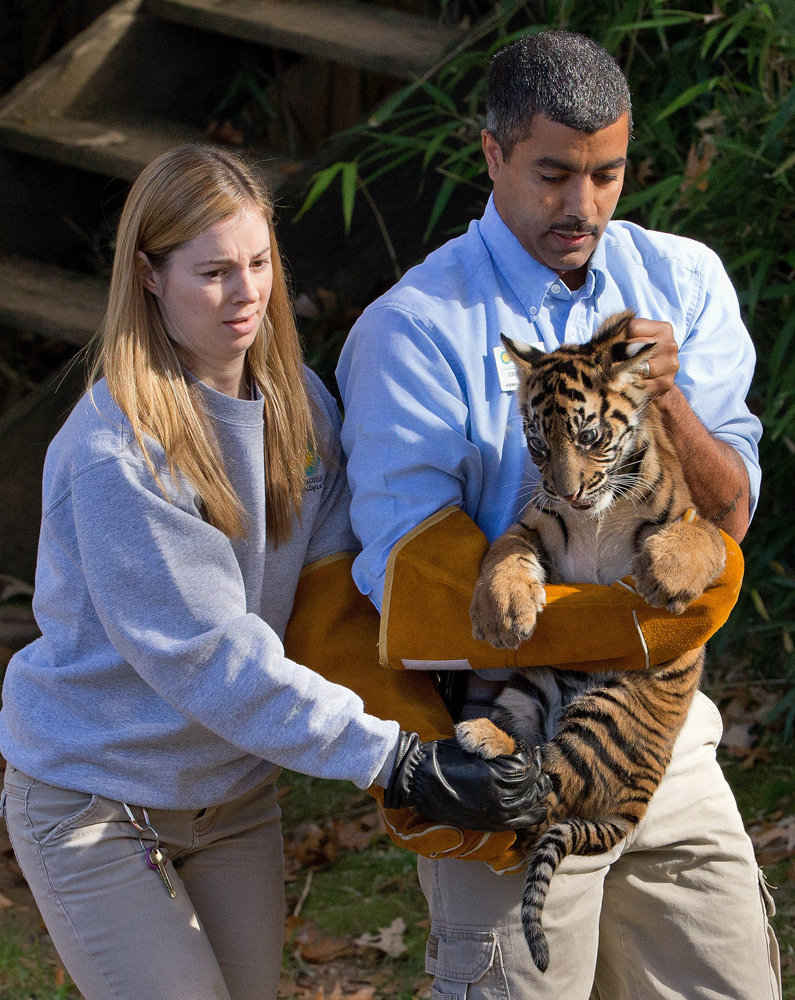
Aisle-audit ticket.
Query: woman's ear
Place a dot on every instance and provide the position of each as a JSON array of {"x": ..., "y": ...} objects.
[{"x": 150, "y": 278}]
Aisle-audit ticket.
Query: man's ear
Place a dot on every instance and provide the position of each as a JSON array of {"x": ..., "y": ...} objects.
[
  {"x": 492, "y": 152},
  {"x": 150, "y": 278}
]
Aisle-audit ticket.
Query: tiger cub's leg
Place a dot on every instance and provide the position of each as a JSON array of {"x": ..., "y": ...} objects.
[
  {"x": 677, "y": 563},
  {"x": 509, "y": 593}
]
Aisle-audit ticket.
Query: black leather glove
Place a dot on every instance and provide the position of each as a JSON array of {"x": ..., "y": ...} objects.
[{"x": 448, "y": 784}]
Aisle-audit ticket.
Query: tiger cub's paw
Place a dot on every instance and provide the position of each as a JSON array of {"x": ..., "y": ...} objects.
[
  {"x": 677, "y": 564},
  {"x": 482, "y": 737},
  {"x": 505, "y": 606}
]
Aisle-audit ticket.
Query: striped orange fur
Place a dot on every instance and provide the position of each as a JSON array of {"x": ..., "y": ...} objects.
[{"x": 611, "y": 500}]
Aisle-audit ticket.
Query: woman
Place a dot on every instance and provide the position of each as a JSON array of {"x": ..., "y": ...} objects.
[{"x": 144, "y": 730}]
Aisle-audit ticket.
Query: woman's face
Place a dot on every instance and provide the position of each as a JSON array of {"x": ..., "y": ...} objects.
[{"x": 213, "y": 292}]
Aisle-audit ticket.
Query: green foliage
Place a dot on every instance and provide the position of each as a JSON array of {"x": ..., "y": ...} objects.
[{"x": 712, "y": 158}]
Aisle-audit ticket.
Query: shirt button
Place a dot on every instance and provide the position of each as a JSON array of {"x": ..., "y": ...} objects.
[
  {"x": 555, "y": 289},
  {"x": 533, "y": 310}
]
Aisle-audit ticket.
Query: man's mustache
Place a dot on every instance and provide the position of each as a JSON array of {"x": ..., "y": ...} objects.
[{"x": 574, "y": 227}]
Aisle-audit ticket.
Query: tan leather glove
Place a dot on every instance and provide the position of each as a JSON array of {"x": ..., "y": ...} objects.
[
  {"x": 334, "y": 630},
  {"x": 431, "y": 574}
]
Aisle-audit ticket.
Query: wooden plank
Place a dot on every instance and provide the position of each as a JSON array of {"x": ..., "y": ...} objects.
[
  {"x": 115, "y": 147},
  {"x": 50, "y": 300},
  {"x": 53, "y": 86},
  {"x": 360, "y": 34}
]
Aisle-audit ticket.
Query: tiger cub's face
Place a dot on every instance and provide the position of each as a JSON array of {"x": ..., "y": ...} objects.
[{"x": 583, "y": 410}]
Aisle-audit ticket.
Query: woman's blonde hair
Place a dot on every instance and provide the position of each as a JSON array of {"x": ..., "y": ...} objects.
[{"x": 173, "y": 200}]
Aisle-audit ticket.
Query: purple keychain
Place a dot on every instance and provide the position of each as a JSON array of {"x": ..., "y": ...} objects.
[{"x": 154, "y": 855}]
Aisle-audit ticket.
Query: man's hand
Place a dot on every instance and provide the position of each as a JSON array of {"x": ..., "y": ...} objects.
[
  {"x": 664, "y": 365},
  {"x": 715, "y": 473}
]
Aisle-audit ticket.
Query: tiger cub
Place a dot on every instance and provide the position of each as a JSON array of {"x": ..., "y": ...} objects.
[{"x": 611, "y": 500}]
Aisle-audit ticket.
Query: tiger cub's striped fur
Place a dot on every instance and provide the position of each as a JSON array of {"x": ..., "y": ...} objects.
[{"x": 610, "y": 502}]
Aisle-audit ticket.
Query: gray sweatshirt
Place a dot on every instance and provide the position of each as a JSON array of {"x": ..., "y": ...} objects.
[{"x": 160, "y": 677}]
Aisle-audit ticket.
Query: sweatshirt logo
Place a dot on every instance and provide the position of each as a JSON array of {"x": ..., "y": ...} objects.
[
  {"x": 314, "y": 477},
  {"x": 312, "y": 462}
]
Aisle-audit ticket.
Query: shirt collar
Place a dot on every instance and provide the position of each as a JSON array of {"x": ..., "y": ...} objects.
[{"x": 530, "y": 280}]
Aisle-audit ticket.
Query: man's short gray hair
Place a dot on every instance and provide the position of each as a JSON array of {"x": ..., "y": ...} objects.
[{"x": 564, "y": 76}]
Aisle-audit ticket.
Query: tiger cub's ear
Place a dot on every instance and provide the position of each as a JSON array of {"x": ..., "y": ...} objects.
[
  {"x": 522, "y": 354},
  {"x": 617, "y": 354}
]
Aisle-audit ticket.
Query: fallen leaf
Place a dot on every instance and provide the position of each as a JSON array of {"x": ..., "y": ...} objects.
[
  {"x": 738, "y": 736},
  {"x": 756, "y": 755},
  {"x": 358, "y": 834},
  {"x": 291, "y": 925},
  {"x": 316, "y": 948},
  {"x": 312, "y": 846},
  {"x": 774, "y": 841},
  {"x": 388, "y": 939}
]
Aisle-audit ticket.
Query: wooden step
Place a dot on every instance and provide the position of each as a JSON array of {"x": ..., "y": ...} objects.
[
  {"x": 50, "y": 300},
  {"x": 366, "y": 35},
  {"x": 109, "y": 101},
  {"x": 116, "y": 146}
]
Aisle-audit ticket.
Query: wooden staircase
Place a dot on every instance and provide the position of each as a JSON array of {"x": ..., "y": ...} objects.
[{"x": 145, "y": 76}]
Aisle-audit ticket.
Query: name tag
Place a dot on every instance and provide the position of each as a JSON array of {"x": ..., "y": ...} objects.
[{"x": 507, "y": 371}]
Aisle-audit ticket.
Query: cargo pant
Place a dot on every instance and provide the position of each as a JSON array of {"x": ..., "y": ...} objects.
[
  {"x": 677, "y": 911},
  {"x": 117, "y": 931}
]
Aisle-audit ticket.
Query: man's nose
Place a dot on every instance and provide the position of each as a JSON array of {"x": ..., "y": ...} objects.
[{"x": 579, "y": 199}]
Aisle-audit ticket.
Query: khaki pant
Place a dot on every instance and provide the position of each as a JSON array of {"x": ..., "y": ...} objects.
[
  {"x": 118, "y": 932},
  {"x": 678, "y": 911}
]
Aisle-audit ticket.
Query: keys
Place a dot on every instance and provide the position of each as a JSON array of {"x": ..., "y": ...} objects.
[{"x": 156, "y": 859}]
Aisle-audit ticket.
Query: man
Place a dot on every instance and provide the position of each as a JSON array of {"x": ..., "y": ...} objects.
[{"x": 677, "y": 910}]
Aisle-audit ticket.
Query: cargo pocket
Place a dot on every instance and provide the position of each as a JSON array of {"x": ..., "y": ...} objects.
[
  {"x": 465, "y": 965},
  {"x": 769, "y": 910}
]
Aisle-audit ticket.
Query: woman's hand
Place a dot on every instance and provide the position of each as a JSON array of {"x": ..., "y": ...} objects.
[{"x": 446, "y": 783}]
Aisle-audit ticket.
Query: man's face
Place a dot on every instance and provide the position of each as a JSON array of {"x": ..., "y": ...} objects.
[{"x": 559, "y": 189}]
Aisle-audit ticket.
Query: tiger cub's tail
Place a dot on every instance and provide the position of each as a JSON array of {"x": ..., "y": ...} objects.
[{"x": 572, "y": 836}]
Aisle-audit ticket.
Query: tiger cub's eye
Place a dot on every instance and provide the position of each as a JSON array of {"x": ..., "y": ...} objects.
[{"x": 588, "y": 436}]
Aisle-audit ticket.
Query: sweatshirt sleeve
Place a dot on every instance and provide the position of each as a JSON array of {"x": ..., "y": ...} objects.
[{"x": 169, "y": 593}]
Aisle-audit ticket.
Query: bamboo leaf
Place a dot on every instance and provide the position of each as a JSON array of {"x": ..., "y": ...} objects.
[
  {"x": 688, "y": 96},
  {"x": 759, "y": 604},
  {"x": 446, "y": 189},
  {"x": 784, "y": 114},
  {"x": 320, "y": 183},
  {"x": 350, "y": 179}
]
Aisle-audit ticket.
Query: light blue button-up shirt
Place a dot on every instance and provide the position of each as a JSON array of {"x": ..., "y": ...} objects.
[{"x": 430, "y": 420}]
